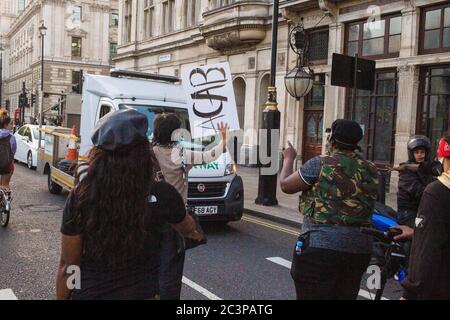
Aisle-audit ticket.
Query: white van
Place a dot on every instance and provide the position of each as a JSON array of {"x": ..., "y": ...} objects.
[{"x": 215, "y": 190}]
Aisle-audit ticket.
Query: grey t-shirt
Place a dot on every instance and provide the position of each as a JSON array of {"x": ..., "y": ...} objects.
[{"x": 338, "y": 238}]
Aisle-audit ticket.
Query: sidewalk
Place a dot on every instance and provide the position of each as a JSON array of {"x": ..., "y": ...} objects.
[{"x": 286, "y": 211}]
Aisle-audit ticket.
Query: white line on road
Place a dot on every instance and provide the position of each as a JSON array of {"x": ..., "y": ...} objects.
[
  {"x": 281, "y": 262},
  {"x": 7, "y": 294},
  {"x": 368, "y": 295},
  {"x": 287, "y": 264},
  {"x": 203, "y": 291}
]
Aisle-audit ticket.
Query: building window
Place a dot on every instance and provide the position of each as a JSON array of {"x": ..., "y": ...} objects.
[
  {"x": 316, "y": 97},
  {"x": 76, "y": 47},
  {"x": 21, "y": 4},
  {"x": 377, "y": 112},
  {"x": 75, "y": 77},
  {"x": 435, "y": 29},
  {"x": 149, "y": 18},
  {"x": 215, "y": 4},
  {"x": 376, "y": 39},
  {"x": 318, "y": 46},
  {"x": 128, "y": 13},
  {"x": 114, "y": 19},
  {"x": 434, "y": 103},
  {"x": 76, "y": 12},
  {"x": 191, "y": 12},
  {"x": 313, "y": 119},
  {"x": 168, "y": 15},
  {"x": 112, "y": 49}
]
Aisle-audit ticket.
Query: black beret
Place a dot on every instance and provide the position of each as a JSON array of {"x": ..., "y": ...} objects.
[
  {"x": 347, "y": 132},
  {"x": 119, "y": 128}
]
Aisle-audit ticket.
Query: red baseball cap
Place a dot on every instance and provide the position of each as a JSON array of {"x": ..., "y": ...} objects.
[{"x": 444, "y": 149}]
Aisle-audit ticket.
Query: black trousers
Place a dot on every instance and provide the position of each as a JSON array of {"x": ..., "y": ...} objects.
[
  {"x": 322, "y": 274},
  {"x": 171, "y": 265}
]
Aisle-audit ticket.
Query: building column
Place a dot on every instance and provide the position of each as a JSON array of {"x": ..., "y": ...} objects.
[
  {"x": 251, "y": 124},
  {"x": 408, "y": 89},
  {"x": 410, "y": 31},
  {"x": 334, "y": 105}
]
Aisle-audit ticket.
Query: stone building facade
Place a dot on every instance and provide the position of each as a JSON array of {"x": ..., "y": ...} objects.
[
  {"x": 81, "y": 35},
  {"x": 410, "y": 41}
]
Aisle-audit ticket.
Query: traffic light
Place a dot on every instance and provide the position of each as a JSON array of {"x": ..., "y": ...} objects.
[
  {"x": 7, "y": 104},
  {"x": 33, "y": 99},
  {"x": 22, "y": 100}
]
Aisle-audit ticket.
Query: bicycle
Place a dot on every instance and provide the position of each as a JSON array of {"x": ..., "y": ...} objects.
[
  {"x": 394, "y": 256},
  {"x": 5, "y": 206}
]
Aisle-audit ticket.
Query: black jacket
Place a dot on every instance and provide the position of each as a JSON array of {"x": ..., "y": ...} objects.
[
  {"x": 412, "y": 184},
  {"x": 429, "y": 264}
]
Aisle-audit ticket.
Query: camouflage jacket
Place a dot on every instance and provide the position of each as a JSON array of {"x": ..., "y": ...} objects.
[{"x": 344, "y": 193}]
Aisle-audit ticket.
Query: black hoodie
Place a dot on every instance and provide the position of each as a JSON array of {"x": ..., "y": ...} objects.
[
  {"x": 429, "y": 264},
  {"x": 412, "y": 184}
]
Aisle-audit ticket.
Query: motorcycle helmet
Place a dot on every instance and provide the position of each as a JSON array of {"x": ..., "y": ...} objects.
[{"x": 417, "y": 142}]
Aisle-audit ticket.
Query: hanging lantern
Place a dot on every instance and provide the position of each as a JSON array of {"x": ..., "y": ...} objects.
[{"x": 299, "y": 82}]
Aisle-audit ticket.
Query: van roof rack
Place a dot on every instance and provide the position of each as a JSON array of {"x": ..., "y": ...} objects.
[{"x": 118, "y": 73}]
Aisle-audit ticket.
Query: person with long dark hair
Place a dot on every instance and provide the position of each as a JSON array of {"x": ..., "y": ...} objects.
[{"x": 113, "y": 218}]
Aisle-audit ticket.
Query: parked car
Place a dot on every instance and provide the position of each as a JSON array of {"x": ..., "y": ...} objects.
[{"x": 27, "y": 144}]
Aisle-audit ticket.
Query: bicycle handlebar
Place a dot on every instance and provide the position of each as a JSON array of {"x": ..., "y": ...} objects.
[{"x": 386, "y": 237}]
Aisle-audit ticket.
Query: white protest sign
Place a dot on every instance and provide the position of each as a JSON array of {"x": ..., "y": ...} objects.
[{"x": 210, "y": 98}]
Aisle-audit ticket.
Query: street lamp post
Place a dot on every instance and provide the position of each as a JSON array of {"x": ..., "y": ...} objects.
[
  {"x": 42, "y": 32},
  {"x": 267, "y": 185}
]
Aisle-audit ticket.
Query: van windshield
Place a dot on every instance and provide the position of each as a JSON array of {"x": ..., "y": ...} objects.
[{"x": 152, "y": 111}]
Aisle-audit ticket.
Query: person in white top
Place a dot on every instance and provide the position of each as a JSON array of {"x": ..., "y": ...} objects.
[{"x": 175, "y": 163}]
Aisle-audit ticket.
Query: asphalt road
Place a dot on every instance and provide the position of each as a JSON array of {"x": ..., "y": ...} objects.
[{"x": 248, "y": 259}]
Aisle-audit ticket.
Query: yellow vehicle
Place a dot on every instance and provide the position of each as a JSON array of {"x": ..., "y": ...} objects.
[{"x": 52, "y": 158}]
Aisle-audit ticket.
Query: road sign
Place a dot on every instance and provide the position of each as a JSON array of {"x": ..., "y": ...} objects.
[{"x": 343, "y": 72}]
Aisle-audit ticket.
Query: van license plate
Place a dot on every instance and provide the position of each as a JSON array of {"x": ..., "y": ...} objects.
[{"x": 206, "y": 210}]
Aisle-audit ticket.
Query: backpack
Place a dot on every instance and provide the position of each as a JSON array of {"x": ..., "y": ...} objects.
[{"x": 5, "y": 155}]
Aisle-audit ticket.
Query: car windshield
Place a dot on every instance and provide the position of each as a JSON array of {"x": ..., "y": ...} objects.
[{"x": 152, "y": 111}]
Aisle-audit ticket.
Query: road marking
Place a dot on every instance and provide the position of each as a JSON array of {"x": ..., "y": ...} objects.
[
  {"x": 7, "y": 294},
  {"x": 198, "y": 288},
  {"x": 281, "y": 262},
  {"x": 287, "y": 264},
  {"x": 368, "y": 295},
  {"x": 271, "y": 226}
]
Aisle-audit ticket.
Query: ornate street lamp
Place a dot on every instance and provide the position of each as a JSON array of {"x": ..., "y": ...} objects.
[
  {"x": 42, "y": 32},
  {"x": 299, "y": 80}
]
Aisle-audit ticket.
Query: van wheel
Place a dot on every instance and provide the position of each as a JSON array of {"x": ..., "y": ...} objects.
[{"x": 53, "y": 187}]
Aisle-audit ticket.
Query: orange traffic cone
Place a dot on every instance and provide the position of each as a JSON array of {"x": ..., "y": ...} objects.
[{"x": 72, "y": 153}]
